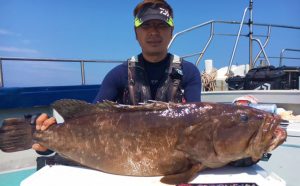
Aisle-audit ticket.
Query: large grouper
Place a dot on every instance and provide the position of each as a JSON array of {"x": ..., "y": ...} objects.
[{"x": 156, "y": 139}]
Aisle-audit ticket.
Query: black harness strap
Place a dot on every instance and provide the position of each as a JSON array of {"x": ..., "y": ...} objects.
[
  {"x": 138, "y": 85},
  {"x": 170, "y": 88}
]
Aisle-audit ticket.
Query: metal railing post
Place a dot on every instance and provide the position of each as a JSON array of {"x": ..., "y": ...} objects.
[
  {"x": 1, "y": 74},
  {"x": 262, "y": 49},
  {"x": 188, "y": 30},
  {"x": 82, "y": 73},
  {"x": 81, "y": 61},
  {"x": 212, "y": 31},
  {"x": 282, "y": 51},
  {"x": 236, "y": 41},
  {"x": 251, "y": 34},
  {"x": 265, "y": 44}
]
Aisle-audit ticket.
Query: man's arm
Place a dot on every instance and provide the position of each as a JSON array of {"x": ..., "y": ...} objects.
[
  {"x": 112, "y": 84},
  {"x": 191, "y": 82}
]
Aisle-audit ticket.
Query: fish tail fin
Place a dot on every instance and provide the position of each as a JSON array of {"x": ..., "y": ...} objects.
[{"x": 16, "y": 135}]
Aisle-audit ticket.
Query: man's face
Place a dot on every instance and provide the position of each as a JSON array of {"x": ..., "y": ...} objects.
[{"x": 154, "y": 37}]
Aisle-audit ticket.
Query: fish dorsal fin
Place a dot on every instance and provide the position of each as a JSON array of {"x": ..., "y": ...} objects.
[
  {"x": 70, "y": 108},
  {"x": 151, "y": 106}
]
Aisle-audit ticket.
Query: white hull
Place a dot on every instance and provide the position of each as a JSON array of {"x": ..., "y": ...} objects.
[
  {"x": 48, "y": 176},
  {"x": 287, "y": 99},
  {"x": 285, "y": 161}
]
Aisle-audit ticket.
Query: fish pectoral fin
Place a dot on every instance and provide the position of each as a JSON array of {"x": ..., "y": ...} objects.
[{"x": 183, "y": 177}]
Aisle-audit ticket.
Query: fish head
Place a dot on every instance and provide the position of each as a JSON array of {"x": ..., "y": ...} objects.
[
  {"x": 247, "y": 132},
  {"x": 227, "y": 133}
]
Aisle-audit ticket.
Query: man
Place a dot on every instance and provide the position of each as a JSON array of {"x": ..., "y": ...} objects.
[{"x": 154, "y": 74}]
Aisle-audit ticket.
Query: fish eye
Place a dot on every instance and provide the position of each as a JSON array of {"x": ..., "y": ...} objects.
[{"x": 244, "y": 118}]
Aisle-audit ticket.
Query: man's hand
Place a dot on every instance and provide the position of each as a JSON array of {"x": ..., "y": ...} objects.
[{"x": 42, "y": 123}]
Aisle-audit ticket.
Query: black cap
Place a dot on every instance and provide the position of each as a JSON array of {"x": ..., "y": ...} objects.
[{"x": 153, "y": 11}]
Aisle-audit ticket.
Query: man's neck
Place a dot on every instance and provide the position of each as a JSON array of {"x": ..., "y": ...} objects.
[{"x": 154, "y": 58}]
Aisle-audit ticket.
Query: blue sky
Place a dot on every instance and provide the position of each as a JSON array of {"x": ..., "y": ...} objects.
[{"x": 98, "y": 29}]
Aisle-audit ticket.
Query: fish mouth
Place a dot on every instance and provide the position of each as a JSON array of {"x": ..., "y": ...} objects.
[
  {"x": 279, "y": 136},
  {"x": 269, "y": 136}
]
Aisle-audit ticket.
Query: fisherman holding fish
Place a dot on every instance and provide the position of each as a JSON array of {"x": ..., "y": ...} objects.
[
  {"x": 154, "y": 74},
  {"x": 176, "y": 137}
]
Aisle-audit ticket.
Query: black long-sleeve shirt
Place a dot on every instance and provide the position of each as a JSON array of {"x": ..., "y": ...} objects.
[{"x": 116, "y": 80}]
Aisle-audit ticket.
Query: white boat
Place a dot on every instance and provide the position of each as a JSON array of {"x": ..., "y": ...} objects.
[
  {"x": 284, "y": 160},
  {"x": 15, "y": 102}
]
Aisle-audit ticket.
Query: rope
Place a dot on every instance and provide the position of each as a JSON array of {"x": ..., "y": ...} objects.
[{"x": 209, "y": 80}]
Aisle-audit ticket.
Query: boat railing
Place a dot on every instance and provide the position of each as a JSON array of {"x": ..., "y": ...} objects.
[
  {"x": 212, "y": 34},
  {"x": 81, "y": 61},
  {"x": 200, "y": 54},
  {"x": 282, "y": 54},
  {"x": 250, "y": 35},
  {"x": 251, "y": 39}
]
